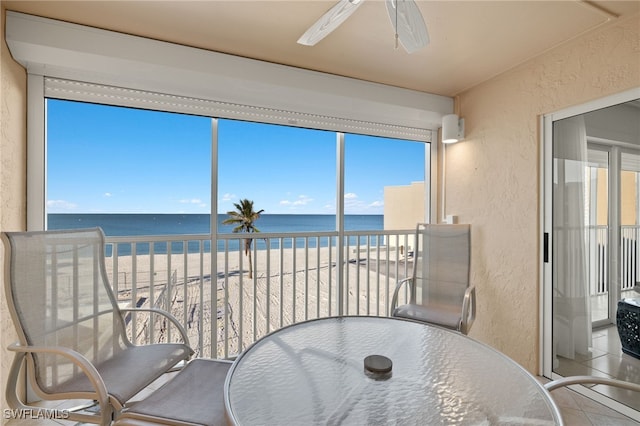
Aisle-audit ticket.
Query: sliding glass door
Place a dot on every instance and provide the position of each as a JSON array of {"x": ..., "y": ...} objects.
[{"x": 591, "y": 233}]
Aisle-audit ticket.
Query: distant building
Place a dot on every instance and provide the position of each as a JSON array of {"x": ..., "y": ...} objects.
[{"x": 404, "y": 207}]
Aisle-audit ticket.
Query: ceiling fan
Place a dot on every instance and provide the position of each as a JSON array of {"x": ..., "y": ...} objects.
[{"x": 405, "y": 16}]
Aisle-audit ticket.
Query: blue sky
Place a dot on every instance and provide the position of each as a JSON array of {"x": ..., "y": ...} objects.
[{"x": 104, "y": 159}]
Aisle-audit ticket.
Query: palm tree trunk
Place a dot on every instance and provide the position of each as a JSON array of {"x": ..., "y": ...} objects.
[{"x": 248, "y": 250}]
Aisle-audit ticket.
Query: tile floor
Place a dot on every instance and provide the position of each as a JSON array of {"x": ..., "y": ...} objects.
[
  {"x": 606, "y": 359},
  {"x": 576, "y": 410}
]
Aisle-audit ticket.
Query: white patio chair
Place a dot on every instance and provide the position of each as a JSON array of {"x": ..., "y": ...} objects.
[
  {"x": 71, "y": 331},
  {"x": 439, "y": 288}
]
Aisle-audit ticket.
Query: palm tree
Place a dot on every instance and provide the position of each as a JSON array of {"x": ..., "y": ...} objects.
[{"x": 244, "y": 217}]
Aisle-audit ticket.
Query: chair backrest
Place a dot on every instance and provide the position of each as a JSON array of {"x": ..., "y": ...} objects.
[
  {"x": 442, "y": 263},
  {"x": 59, "y": 296}
]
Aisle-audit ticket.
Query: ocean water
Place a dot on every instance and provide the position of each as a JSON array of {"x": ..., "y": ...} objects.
[{"x": 189, "y": 224}]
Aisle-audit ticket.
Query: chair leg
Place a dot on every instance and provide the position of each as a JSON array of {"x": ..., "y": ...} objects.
[{"x": 19, "y": 408}]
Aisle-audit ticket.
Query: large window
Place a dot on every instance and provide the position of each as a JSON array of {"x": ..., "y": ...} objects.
[{"x": 144, "y": 172}]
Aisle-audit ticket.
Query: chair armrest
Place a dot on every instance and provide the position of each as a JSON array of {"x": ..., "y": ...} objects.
[
  {"x": 101, "y": 393},
  {"x": 468, "y": 310},
  {"x": 577, "y": 380},
  {"x": 168, "y": 315},
  {"x": 394, "y": 299}
]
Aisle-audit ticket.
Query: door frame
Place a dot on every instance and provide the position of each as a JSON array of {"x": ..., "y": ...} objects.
[{"x": 546, "y": 242}]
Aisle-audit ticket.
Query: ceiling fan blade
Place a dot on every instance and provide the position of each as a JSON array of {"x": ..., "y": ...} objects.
[
  {"x": 329, "y": 21},
  {"x": 408, "y": 23}
]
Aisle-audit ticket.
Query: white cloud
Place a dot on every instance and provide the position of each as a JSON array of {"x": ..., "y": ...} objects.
[
  {"x": 229, "y": 197},
  {"x": 191, "y": 201},
  {"x": 354, "y": 205},
  {"x": 107, "y": 195},
  {"x": 302, "y": 200},
  {"x": 194, "y": 202},
  {"x": 61, "y": 205}
]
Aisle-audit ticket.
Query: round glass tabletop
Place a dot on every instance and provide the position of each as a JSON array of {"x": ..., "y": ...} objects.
[{"x": 373, "y": 370}]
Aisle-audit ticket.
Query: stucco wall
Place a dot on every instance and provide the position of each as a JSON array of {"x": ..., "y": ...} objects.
[
  {"x": 493, "y": 175},
  {"x": 12, "y": 177}
]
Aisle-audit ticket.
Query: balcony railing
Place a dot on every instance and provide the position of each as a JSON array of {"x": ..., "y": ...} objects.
[
  {"x": 296, "y": 277},
  {"x": 598, "y": 240}
]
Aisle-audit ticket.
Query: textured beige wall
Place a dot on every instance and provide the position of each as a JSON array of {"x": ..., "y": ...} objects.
[
  {"x": 13, "y": 138},
  {"x": 492, "y": 178}
]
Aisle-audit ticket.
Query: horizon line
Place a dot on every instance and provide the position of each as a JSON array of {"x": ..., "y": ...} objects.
[{"x": 221, "y": 214}]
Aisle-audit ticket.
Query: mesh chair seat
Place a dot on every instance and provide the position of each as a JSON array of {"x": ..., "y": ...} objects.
[
  {"x": 440, "y": 314},
  {"x": 131, "y": 370},
  {"x": 194, "y": 397}
]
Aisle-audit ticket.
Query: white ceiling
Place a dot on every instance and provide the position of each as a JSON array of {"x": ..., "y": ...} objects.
[{"x": 471, "y": 41}]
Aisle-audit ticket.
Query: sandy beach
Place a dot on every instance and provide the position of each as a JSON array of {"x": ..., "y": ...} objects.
[{"x": 287, "y": 286}]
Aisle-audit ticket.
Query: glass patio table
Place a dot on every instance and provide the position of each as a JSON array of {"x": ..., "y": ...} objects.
[{"x": 315, "y": 373}]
